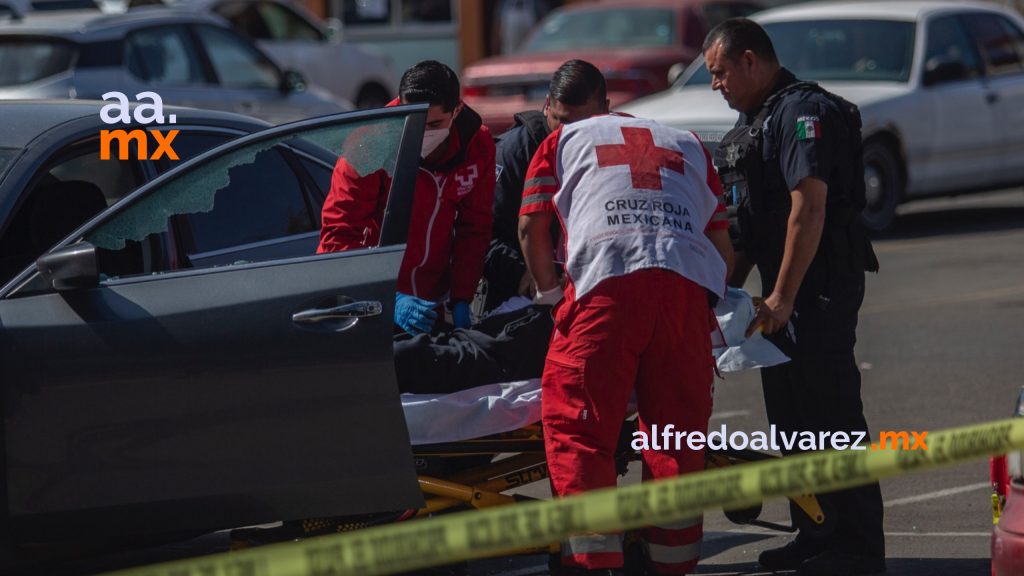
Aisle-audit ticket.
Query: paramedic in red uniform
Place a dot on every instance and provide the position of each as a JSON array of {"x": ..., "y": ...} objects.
[
  {"x": 450, "y": 227},
  {"x": 646, "y": 241}
]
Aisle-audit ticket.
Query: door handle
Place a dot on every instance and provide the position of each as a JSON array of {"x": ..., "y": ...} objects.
[{"x": 363, "y": 309}]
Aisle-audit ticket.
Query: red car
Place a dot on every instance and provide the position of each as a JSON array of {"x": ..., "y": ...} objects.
[{"x": 635, "y": 43}]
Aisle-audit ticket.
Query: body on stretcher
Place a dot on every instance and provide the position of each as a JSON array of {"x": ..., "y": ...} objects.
[{"x": 473, "y": 446}]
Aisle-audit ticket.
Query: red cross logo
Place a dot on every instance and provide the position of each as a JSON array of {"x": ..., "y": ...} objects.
[{"x": 645, "y": 160}]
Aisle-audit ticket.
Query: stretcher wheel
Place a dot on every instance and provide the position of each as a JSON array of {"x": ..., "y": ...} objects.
[
  {"x": 818, "y": 526},
  {"x": 744, "y": 515}
]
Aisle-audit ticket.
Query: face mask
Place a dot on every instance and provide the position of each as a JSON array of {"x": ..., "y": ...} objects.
[{"x": 432, "y": 139}]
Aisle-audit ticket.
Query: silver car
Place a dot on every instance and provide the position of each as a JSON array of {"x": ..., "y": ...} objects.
[
  {"x": 940, "y": 87},
  {"x": 192, "y": 60},
  {"x": 297, "y": 39}
]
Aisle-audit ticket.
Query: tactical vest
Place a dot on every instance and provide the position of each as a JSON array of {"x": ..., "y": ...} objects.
[{"x": 758, "y": 198}]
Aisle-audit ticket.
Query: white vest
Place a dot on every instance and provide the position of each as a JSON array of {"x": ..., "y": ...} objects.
[{"x": 634, "y": 195}]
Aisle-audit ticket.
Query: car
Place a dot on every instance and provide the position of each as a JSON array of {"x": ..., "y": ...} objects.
[
  {"x": 48, "y": 142},
  {"x": 636, "y": 43},
  {"x": 183, "y": 361},
  {"x": 18, "y": 8},
  {"x": 296, "y": 39},
  {"x": 188, "y": 59},
  {"x": 940, "y": 86}
]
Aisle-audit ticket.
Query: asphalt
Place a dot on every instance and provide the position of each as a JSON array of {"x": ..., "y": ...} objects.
[{"x": 939, "y": 345}]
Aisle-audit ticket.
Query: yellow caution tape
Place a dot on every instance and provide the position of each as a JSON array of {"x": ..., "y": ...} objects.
[{"x": 476, "y": 534}]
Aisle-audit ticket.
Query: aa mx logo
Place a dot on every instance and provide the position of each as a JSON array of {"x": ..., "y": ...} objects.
[{"x": 151, "y": 112}]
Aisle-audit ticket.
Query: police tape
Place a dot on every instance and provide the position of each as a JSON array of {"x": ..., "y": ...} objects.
[{"x": 494, "y": 531}]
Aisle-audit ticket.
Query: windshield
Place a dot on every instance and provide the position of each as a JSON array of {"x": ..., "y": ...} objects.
[
  {"x": 28, "y": 60},
  {"x": 612, "y": 28},
  {"x": 824, "y": 50}
]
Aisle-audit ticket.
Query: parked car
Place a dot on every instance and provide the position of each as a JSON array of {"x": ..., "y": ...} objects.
[
  {"x": 183, "y": 360},
  {"x": 50, "y": 143},
  {"x": 940, "y": 87},
  {"x": 636, "y": 43},
  {"x": 188, "y": 59},
  {"x": 296, "y": 39}
]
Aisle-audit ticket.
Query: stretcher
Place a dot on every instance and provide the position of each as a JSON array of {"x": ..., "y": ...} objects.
[{"x": 475, "y": 447}]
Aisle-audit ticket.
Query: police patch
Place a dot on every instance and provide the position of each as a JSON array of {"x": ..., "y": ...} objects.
[{"x": 808, "y": 128}]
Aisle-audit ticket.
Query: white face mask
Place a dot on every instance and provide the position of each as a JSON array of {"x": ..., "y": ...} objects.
[{"x": 432, "y": 138}]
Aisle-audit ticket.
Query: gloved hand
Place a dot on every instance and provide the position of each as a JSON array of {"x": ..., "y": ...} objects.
[
  {"x": 414, "y": 315},
  {"x": 548, "y": 297},
  {"x": 460, "y": 315}
]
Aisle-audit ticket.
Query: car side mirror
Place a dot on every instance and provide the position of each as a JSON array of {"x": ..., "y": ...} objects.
[
  {"x": 72, "y": 267},
  {"x": 942, "y": 69},
  {"x": 334, "y": 30},
  {"x": 293, "y": 81}
]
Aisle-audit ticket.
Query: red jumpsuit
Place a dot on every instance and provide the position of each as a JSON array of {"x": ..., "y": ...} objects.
[
  {"x": 634, "y": 199},
  {"x": 450, "y": 227}
]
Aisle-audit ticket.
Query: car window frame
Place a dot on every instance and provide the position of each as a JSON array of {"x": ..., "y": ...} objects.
[
  {"x": 321, "y": 37},
  {"x": 982, "y": 52},
  {"x": 251, "y": 45},
  {"x": 393, "y": 232},
  {"x": 972, "y": 45},
  {"x": 208, "y": 77}
]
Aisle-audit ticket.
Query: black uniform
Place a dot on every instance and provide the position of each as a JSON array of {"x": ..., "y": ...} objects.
[
  {"x": 803, "y": 131},
  {"x": 504, "y": 265}
]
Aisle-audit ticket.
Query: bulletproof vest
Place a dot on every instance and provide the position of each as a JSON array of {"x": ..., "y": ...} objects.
[{"x": 758, "y": 198}]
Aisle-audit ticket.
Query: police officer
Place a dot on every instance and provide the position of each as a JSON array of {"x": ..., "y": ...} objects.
[{"x": 793, "y": 169}]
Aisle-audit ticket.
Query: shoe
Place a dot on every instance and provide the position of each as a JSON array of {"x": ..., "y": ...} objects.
[
  {"x": 835, "y": 563},
  {"x": 790, "y": 556}
]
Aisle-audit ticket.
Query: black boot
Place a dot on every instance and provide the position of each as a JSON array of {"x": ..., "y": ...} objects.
[{"x": 790, "y": 556}]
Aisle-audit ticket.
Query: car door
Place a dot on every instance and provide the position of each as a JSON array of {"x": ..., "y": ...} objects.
[
  {"x": 963, "y": 147},
  {"x": 167, "y": 394},
  {"x": 1001, "y": 43}
]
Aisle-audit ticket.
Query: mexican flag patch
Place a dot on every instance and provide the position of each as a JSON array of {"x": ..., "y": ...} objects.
[{"x": 808, "y": 128}]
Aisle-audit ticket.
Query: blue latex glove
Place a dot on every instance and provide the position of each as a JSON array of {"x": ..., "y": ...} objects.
[
  {"x": 414, "y": 315},
  {"x": 460, "y": 315}
]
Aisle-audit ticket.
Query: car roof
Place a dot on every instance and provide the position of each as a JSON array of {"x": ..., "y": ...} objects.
[
  {"x": 905, "y": 10},
  {"x": 25, "y": 120},
  {"x": 87, "y": 24}
]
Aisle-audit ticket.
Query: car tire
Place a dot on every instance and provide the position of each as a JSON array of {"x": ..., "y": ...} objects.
[
  {"x": 372, "y": 96},
  {"x": 883, "y": 182}
]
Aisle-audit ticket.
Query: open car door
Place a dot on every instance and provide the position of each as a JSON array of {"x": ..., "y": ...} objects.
[{"x": 187, "y": 362}]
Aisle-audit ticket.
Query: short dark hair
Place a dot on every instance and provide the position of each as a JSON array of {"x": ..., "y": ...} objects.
[
  {"x": 737, "y": 35},
  {"x": 432, "y": 82},
  {"x": 577, "y": 82}
]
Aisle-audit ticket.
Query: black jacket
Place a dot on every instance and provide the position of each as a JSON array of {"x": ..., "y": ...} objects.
[{"x": 504, "y": 265}]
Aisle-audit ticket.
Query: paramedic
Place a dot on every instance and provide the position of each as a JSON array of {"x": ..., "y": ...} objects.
[
  {"x": 646, "y": 241},
  {"x": 794, "y": 169},
  {"x": 451, "y": 212}
]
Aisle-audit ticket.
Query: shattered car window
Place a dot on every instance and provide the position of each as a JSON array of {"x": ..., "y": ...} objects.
[{"x": 254, "y": 203}]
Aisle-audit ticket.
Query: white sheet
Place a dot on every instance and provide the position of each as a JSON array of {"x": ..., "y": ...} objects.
[{"x": 497, "y": 408}]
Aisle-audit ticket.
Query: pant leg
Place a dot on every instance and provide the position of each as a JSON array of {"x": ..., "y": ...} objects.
[
  {"x": 819, "y": 390},
  {"x": 674, "y": 388},
  {"x": 588, "y": 378}
]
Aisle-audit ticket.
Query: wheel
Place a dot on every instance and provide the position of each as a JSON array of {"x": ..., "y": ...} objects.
[
  {"x": 372, "y": 96},
  {"x": 743, "y": 515},
  {"x": 883, "y": 183}
]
